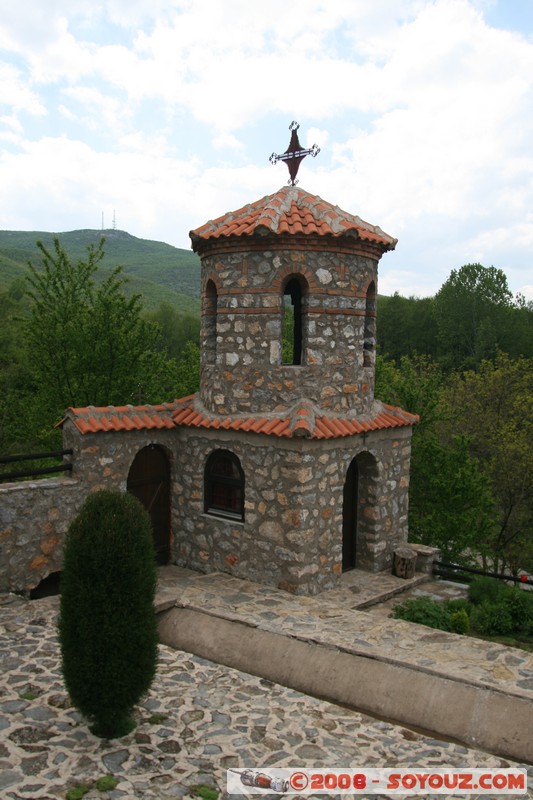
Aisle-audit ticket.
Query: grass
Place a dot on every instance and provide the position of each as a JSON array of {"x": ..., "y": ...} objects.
[
  {"x": 107, "y": 783},
  {"x": 104, "y": 784},
  {"x": 157, "y": 719},
  {"x": 77, "y": 792},
  {"x": 204, "y": 791}
]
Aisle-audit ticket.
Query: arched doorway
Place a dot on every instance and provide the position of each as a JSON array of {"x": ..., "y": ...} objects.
[
  {"x": 349, "y": 517},
  {"x": 149, "y": 481},
  {"x": 359, "y": 513}
]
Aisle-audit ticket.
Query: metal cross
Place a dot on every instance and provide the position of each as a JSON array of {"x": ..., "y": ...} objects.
[{"x": 294, "y": 154}]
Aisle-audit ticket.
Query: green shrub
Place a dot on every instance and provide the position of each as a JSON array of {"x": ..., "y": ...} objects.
[
  {"x": 491, "y": 619},
  {"x": 107, "y": 626},
  {"x": 424, "y": 611},
  {"x": 458, "y": 605},
  {"x": 460, "y": 621},
  {"x": 486, "y": 590},
  {"x": 519, "y": 603}
]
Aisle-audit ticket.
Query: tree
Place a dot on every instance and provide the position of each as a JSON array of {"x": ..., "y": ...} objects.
[
  {"x": 88, "y": 342},
  {"x": 450, "y": 504},
  {"x": 406, "y": 327},
  {"x": 450, "y": 500},
  {"x": 177, "y": 330},
  {"x": 107, "y": 626},
  {"x": 20, "y": 414},
  {"x": 415, "y": 385},
  {"x": 470, "y": 309},
  {"x": 492, "y": 408},
  {"x": 188, "y": 370}
]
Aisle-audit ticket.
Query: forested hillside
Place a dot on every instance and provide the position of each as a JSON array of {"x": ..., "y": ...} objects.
[
  {"x": 158, "y": 271},
  {"x": 72, "y": 332}
]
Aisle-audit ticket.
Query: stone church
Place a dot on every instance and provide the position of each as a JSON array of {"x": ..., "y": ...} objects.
[{"x": 284, "y": 468}]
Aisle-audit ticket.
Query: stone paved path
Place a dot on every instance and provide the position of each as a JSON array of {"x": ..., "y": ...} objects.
[{"x": 198, "y": 719}]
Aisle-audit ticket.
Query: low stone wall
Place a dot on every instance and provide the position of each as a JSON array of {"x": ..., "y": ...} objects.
[
  {"x": 34, "y": 517},
  {"x": 488, "y": 715}
]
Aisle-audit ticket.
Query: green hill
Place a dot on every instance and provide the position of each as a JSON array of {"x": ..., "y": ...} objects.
[{"x": 158, "y": 271}]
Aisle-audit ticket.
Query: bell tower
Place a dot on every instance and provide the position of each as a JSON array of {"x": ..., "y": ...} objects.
[
  {"x": 295, "y": 472},
  {"x": 289, "y": 288}
]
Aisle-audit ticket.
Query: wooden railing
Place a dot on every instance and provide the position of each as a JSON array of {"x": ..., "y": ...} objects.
[
  {"x": 29, "y": 472},
  {"x": 457, "y": 571}
]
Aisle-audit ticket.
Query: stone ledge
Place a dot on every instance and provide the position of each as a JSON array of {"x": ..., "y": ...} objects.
[{"x": 474, "y": 714}]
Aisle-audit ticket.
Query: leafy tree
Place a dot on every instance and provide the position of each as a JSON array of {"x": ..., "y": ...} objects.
[
  {"x": 492, "y": 407},
  {"x": 88, "y": 342},
  {"x": 107, "y": 625},
  {"x": 470, "y": 309},
  {"x": 188, "y": 370},
  {"x": 406, "y": 327},
  {"x": 450, "y": 505},
  {"x": 415, "y": 385},
  {"x": 177, "y": 330},
  {"x": 21, "y": 417}
]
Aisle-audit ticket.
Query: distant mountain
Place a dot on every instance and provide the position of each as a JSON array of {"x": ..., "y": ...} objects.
[{"x": 158, "y": 271}]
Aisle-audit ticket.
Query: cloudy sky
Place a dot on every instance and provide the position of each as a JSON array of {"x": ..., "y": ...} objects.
[{"x": 164, "y": 113}]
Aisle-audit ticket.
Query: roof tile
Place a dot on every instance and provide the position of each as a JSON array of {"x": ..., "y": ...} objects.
[
  {"x": 120, "y": 418},
  {"x": 303, "y": 421},
  {"x": 290, "y": 210}
]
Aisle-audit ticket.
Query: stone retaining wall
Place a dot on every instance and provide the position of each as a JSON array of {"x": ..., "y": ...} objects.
[{"x": 34, "y": 517}]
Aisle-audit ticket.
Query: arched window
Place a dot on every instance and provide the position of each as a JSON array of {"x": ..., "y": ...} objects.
[
  {"x": 369, "y": 343},
  {"x": 224, "y": 486},
  {"x": 210, "y": 307},
  {"x": 293, "y": 321}
]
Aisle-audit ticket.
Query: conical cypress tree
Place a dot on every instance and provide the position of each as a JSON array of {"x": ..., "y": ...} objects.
[{"x": 107, "y": 626}]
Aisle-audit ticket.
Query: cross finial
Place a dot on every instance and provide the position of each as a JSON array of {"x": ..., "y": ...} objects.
[{"x": 294, "y": 154}]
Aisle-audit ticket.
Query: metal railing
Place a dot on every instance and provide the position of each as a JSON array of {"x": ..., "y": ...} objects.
[
  {"x": 456, "y": 571},
  {"x": 31, "y": 473}
]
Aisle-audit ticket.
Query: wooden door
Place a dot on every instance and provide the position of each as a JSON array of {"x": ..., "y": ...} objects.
[{"x": 149, "y": 481}]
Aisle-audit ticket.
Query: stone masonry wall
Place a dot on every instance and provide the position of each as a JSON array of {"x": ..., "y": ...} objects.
[
  {"x": 245, "y": 374},
  {"x": 292, "y": 533},
  {"x": 35, "y": 515}
]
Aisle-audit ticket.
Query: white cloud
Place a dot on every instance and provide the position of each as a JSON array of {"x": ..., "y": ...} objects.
[
  {"x": 15, "y": 94},
  {"x": 422, "y": 111}
]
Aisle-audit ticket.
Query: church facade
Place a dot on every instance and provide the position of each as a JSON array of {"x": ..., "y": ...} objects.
[{"x": 284, "y": 468}]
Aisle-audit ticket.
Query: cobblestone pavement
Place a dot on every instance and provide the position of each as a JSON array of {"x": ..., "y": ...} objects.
[{"x": 198, "y": 719}]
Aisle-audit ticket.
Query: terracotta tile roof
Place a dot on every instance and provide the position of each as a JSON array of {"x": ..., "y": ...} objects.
[
  {"x": 303, "y": 420},
  {"x": 120, "y": 418},
  {"x": 291, "y": 210}
]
